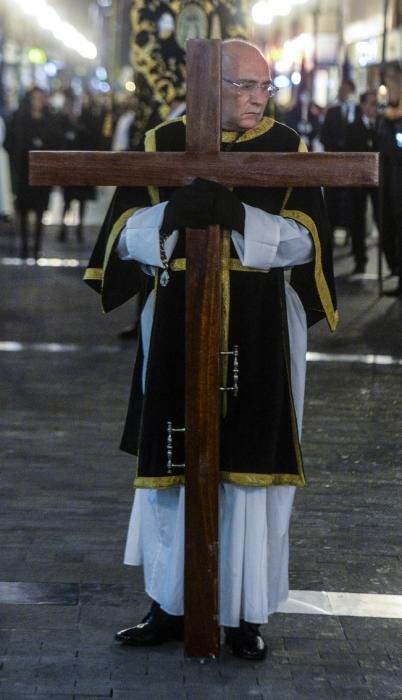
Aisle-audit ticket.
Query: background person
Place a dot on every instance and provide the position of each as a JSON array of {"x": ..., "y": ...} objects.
[
  {"x": 333, "y": 138},
  {"x": 75, "y": 136},
  {"x": 390, "y": 139},
  {"x": 362, "y": 135},
  {"x": 31, "y": 127}
]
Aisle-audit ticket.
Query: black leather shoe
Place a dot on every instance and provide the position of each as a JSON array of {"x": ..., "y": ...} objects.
[
  {"x": 157, "y": 627},
  {"x": 246, "y": 642}
]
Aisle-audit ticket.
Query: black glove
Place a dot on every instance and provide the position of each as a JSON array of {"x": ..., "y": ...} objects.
[{"x": 202, "y": 204}]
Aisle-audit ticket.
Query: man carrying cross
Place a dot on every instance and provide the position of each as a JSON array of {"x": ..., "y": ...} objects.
[{"x": 276, "y": 279}]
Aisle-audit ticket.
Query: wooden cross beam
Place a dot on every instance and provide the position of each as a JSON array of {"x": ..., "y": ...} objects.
[
  {"x": 174, "y": 169},
  {"x": 203, "y": 158}
]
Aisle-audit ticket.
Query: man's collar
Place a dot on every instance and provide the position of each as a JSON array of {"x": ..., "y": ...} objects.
[
  {"x": 262, "y": 127},
  {"x": 369, "y": 123}
]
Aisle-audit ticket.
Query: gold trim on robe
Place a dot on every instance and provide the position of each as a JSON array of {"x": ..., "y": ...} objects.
[
  {"x": 158, "y": 482},
  {"x": 262, "y": 127},
  {"x": 116, "y": 231},
  {"x": 93, "y": 273},
  {"x": 98, "y": 273},
  {"x": 238, "y": 478},
  {"x": 332, "y": 316},
  {"x": 250, "y": 479},
  {"x": 150, "y": 146}
]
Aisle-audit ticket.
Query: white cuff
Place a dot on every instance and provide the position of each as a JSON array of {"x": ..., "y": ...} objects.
[
  {"x": 258, "y": 247},
  {"x": 139, "y": 239}
]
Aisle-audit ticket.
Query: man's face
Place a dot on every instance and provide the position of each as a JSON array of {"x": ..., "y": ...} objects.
[
  {"x": 369, "y": 107},
  {"x": 38, "y": 101},
  {"x": 242, "y": 110},
  {"x": 345, "y": 92}
]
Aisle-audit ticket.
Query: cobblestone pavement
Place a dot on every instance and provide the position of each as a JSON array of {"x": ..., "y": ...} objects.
[{"x": 66, "y": 495}]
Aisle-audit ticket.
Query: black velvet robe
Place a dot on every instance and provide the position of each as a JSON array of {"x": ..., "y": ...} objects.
[{"x": 259, "y": 436}]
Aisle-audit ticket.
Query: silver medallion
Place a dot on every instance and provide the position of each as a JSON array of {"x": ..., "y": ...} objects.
[{"x": 164, "y": 278}]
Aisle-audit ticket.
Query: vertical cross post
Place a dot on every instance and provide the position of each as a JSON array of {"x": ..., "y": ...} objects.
[{"x": 203, "y": 290}]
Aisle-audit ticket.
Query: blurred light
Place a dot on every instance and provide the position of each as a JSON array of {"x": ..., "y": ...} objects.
[
  {"x": 282, "y": 81},
  {"x": 37, "y": 56},
  {"x": 48, "y": 18},
  {"x": 99, "y": 85},
  {"x": 101, "y": 73},
  {"x": 42, "y": 262},
  {"x": 261, "y": 13},
  {"x": 368, "y": 52},
  {"x": 295, "y": 77},
  {"x": 359, "y": 31},
  {"x": 362, "y": 50},
  {"x": 279, "y": 8},
  {"x": 383, "y": 96},
  {"x": 294, "y": 50},
  {"x": 276, "y": 53},
  {"x": 57, "y": 101},
  {"x": 51, "y": 69},
  {"x": 130, "y": 86},
  {"x": 31, "y": 7},
  {"x": 302, "y": 44},
  {"x": 283, "y": 66},
  {"x": 76, "y": 85}
]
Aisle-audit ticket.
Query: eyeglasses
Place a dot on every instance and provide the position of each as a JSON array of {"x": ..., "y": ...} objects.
[{"x": 245, "y": 86}]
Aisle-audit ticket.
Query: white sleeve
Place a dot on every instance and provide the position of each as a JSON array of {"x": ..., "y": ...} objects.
[
  {"x": 272, "y": 241},
  {"x": 139, "y": 239}
]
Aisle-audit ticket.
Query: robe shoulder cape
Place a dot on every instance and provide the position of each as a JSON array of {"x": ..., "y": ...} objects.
[{"x": 259, "y": 432}]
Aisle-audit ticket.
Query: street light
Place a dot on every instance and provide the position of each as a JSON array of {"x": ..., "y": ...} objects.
[
  {"x": 49, "y": 19},
  {"x": 264, "y": 11},
  {"x": 261, "y": 13}
]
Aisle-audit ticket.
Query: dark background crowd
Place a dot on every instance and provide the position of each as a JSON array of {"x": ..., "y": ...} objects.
[{"x": 91, "y": 122}]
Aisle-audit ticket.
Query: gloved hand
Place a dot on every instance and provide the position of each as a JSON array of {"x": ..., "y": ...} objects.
[{"x": 202, "y": 204}]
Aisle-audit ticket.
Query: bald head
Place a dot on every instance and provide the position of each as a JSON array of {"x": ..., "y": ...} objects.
[
  {"x": 242, "y": 61},
  {"x": 238, "y": 51}
]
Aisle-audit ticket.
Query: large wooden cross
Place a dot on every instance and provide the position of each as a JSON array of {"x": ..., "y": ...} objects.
[{"x": 203, "y": 158}]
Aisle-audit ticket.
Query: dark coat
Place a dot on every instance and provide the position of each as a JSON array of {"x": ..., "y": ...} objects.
[
  {"x": 360, "y": 138},
  {"x": 333, "y": 131},
  {"x": 24, "y": 134},
  {"x": 308, "y": 129},
  {"x": 390, "y": 144},
  {"x": 74, "y": 135}
]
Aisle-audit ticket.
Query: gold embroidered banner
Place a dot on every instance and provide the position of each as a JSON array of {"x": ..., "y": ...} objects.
[{"x": 160, "y": 30}]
